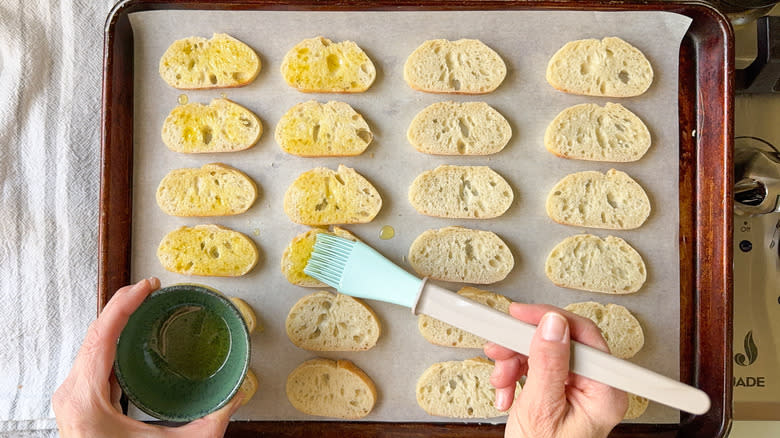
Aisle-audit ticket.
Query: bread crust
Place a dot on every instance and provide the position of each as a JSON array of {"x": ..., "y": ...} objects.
[{"x": 220, "y": 126}]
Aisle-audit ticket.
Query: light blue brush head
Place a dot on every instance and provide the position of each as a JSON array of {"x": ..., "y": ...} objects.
[{"x": 354, "y": 268}]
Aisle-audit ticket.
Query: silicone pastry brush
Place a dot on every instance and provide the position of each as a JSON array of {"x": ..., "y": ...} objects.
[{"x": 355, "y": 269}]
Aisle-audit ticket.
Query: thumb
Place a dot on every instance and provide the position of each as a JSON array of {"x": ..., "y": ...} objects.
[{"x": 544, "y": 392}]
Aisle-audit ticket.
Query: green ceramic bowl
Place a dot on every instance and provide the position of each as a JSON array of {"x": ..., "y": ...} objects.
[{"x": 183, "y": 353}]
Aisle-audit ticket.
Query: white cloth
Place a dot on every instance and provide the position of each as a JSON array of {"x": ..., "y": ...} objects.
[{"x": 50, "y": 86}]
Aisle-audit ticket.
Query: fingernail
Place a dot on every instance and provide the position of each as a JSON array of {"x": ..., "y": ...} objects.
[
  {"x": 501, "y": 400},
  {"x": 553, "y": 327}
]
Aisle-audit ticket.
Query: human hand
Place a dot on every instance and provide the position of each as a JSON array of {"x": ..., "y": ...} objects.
[
  {"x": 553, "y": 403},
  {"x": 87, "y": 402}
]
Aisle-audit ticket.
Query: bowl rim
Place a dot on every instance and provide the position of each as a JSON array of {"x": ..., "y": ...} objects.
[{"x": 207, "y": 290}]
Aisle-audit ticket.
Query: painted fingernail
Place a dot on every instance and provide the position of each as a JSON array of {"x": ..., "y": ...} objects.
[{"x": 553, "y": 327}]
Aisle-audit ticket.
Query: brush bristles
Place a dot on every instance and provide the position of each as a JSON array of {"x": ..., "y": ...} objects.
[{"x": 328, "y": 259}]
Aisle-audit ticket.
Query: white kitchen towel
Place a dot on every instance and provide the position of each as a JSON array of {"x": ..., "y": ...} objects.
[{"x": 50, "y": 76}]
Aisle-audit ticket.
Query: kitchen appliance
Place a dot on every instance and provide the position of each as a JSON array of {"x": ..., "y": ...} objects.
[{"x": 756, "y": 325}]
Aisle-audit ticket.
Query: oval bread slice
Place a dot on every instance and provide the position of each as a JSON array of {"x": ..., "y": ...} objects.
[
  {"x": 324, "y": 321},
  {"x": 329, "y": 388},
  {"x": 465, "y": 66},
  {"x": 248, "y": 386},
  {"x": 441, "y": 333},
  {"x": 610, "y": 67},
  {"x": 459, "y": 389},
  {"x": 590, "y": 132},
  {"x": 587, "y": 262},
  {"x": 313, "y": 129},
  {"x": 215, "y": 189},
  {"x": 297, "y": 254},
  {"x": 462, "y": 255},
  {"x": 619, "y": 327},
  {"x": 464, "y": 192},
  {"x": 452, "y": 128},
  {"x": 220, "y": 126},
  {"x": 207, "y": 250},
  {"x": 611, "y": 200},
  {"x": 636, "y": 406},
  {"x": 195, "y": 63},
  {"x": 322, "y": 196},
  {"x": 246, "y": 311},
  {"x": 317, "y": 65}
]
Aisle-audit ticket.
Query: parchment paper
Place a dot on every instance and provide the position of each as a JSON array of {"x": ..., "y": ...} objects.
[{"x": 525, "y": 40}]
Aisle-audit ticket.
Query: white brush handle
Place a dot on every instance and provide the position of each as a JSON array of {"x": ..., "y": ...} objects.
[{"x": 504, "y": 330}]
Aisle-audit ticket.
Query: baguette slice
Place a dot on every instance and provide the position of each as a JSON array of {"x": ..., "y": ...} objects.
[
  {"x": 464, "y": 192},
  {"x": 248, "y": 386},
  {"x": 636, "y": 406},
  {"x": 610, "y": 67},
  {"x": 329, "y": 388},
  {"x": 590, "y": 132},
  {"x": 313, "y": 129},
  {"x": 452, "y": 128},
  {"x": 459, "y": 389},
  {"x": 594, "y": 199},
  {"x": 587, "y": 262},
  {"x": 248, "y": 314},
  {"x": 619, "y": 327},
  {"x": 464, "y": 66},
  {"x": 462, "y": 255},
  {"x": 215, "y": 189},
  {"x": 322, "y": 196},
  {"x": 297, "y": 254},
  {"x": 441, "y": 333},
  {"x": 324, "y": 321},
  {"x": 207, "y": 250},
  {"x": 220, "y": 126},
  {"x": 196, "y": 63},
  {"x": 317, "y": 65}
]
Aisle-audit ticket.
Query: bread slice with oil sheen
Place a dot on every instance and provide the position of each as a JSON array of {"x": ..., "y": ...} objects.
[
  {"x": 298, "y": 252},
  {"x": 459, "y": 128},
  {"x": 313, "y": 129},
  {"x": 465, "y": 66},
  {"x": 608, "y": 67},
  {"x": 461, "y": 192},
  {"x": 207, "y": 250},
  {"x": 618, "y": 326},
  {"x": 590, "y": 132},
  {"x": 318, "y": 65},
  {"x": 441, "y": 333},
  {"x": 322, "y": 196},
  {"x": 324, "y": 321},
  {"x": 330, "y": 388},
  {"x": 215, "y": 189},
  {"x": 220, "y": 126},
  {"x": 459, "y": 389},
  {"x": 590, "y": 263},
  {"x": 196, "y": 63},
  {"x": 611, "y": 200},
  {"x": 461, "y": 255}
]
